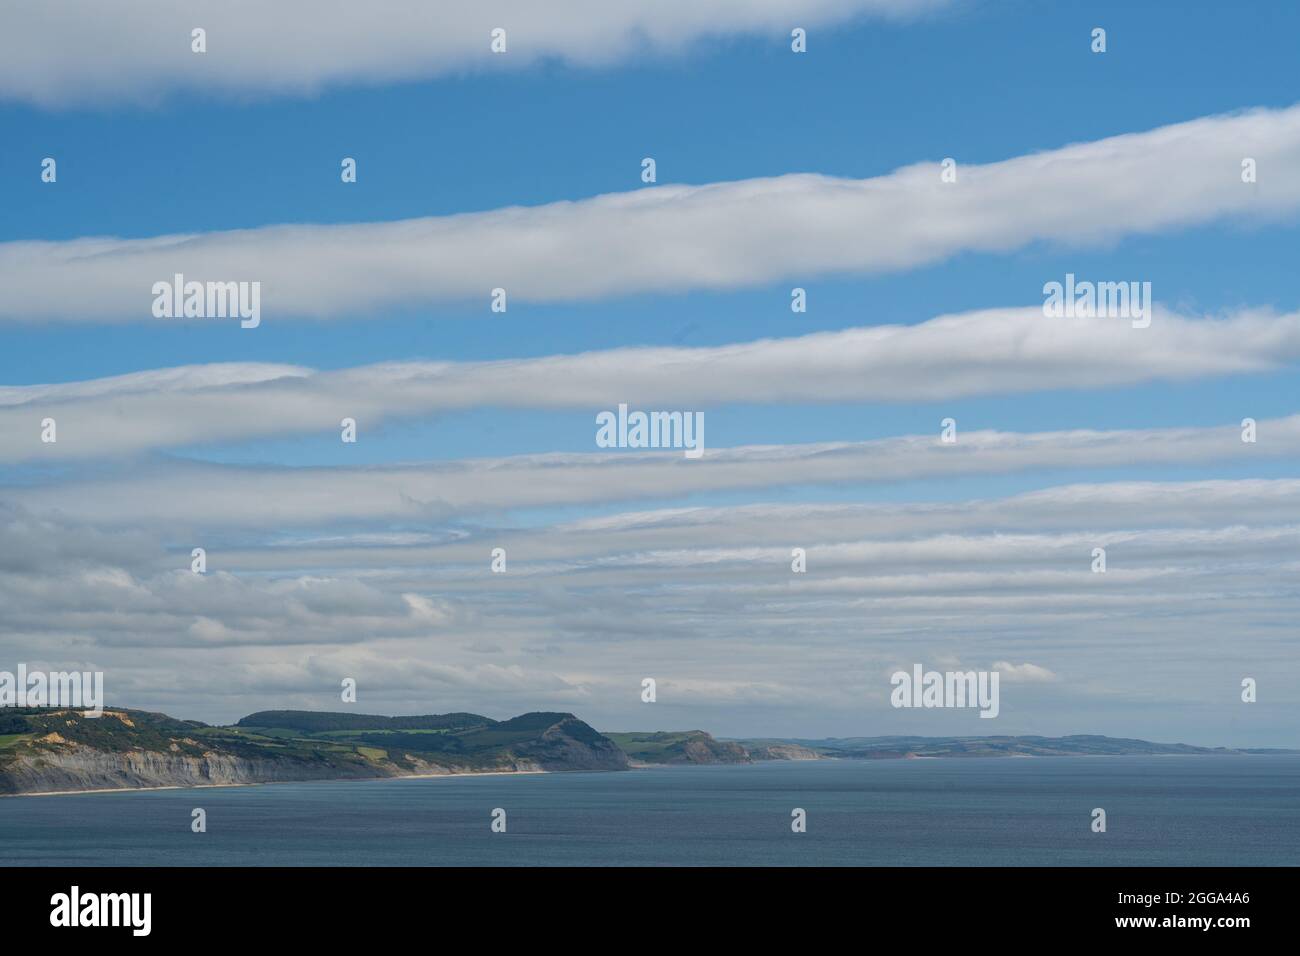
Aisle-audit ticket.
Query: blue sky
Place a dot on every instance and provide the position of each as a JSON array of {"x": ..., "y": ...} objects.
[
  {"x": 981, "y": 82},
  {"x": 984, "y": 83}
]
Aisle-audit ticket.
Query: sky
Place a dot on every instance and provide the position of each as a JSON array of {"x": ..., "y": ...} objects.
[{"x": 476, "y": 429}]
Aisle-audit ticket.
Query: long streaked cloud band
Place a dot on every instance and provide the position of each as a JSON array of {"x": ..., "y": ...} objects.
[
  {"x": 141, "y": 50},
  {"x": 1002, "y": 351},
  {"x": 200, "y": 494},
  {"x": 682, "y": 238}
]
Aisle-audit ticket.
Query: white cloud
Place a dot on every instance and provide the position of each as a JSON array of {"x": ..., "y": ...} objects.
[
  {"x": 1024, "y": 673},
  {"x": 153, "y": 382},
  {"x": 78, "y": 51},
  {"x": 991, "y": 352},
  {"x": 191, "y": 494},
  {"x": 590, "y": 608},
  {"x": 680, "y": 238}
]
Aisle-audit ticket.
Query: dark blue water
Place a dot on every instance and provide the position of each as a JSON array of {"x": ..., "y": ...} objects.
[{"x": 1161, "y": 811}]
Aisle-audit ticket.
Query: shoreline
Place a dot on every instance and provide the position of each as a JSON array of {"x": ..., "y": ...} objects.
[
  {"x": 270, "y": 783},
  {"x": 633, "y": 766}
]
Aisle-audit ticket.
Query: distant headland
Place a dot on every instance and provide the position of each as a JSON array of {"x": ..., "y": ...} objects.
[{"x": 50, "y": 750}]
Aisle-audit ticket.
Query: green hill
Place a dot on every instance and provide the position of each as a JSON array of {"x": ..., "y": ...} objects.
[
  {"x": 46, "y": 750},
  {"x": 678, "y": 747},
  {"x": 311, "y": 721}
]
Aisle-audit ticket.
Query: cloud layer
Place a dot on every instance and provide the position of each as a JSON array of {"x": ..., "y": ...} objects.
[
  {"x": 702, "y": 599},
  {"x": 196, "y": 495},
  {"x": 682, "y": 238},
  {"x": 993, "y": 352},
  {"x": 140, "y": 50}
]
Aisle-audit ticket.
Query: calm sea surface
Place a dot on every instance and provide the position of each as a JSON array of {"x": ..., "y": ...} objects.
[{"x": 1161, "y": 811}]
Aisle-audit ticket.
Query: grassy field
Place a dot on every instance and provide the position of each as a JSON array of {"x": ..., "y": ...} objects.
[{"x": 646, "y": 745}]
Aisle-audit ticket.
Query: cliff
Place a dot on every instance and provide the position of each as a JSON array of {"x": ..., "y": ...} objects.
[
  {"x": 44, "y": 750},
  {"x": 679, "y": 747},
  {"x": 779, "y": 751}
]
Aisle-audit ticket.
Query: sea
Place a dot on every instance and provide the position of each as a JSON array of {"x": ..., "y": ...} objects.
[{"x": 1038, "y": 811}]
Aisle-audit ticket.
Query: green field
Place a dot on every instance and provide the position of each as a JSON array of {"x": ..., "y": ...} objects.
[{"x": 644, "y": 746}]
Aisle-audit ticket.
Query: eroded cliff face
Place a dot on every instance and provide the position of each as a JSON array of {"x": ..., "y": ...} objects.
[
  {"x": 572, "y": 745},
  {"x": 679, "y": 747},
  {"x": 705, "y": 749},
  {"x": 72, "y": 767},
  {"x": 784, "y": 752},
  {"x": 120, "y": 750}
]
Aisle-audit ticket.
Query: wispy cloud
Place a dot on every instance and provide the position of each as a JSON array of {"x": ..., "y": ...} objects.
[
  {"x": 681, "y": 238},
  {"x": 1026, "y": 673},
  {"x": 189, "y": 493},
  {"x": 588, "y": 608},
  {"x": 82, "y": 51},
  {"x": 1004, "y": 351}
]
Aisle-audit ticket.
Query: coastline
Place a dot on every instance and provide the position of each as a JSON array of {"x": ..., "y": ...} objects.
[
  {"x": 271, "y": 783},
  {"x": 633, "y": 766}
]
